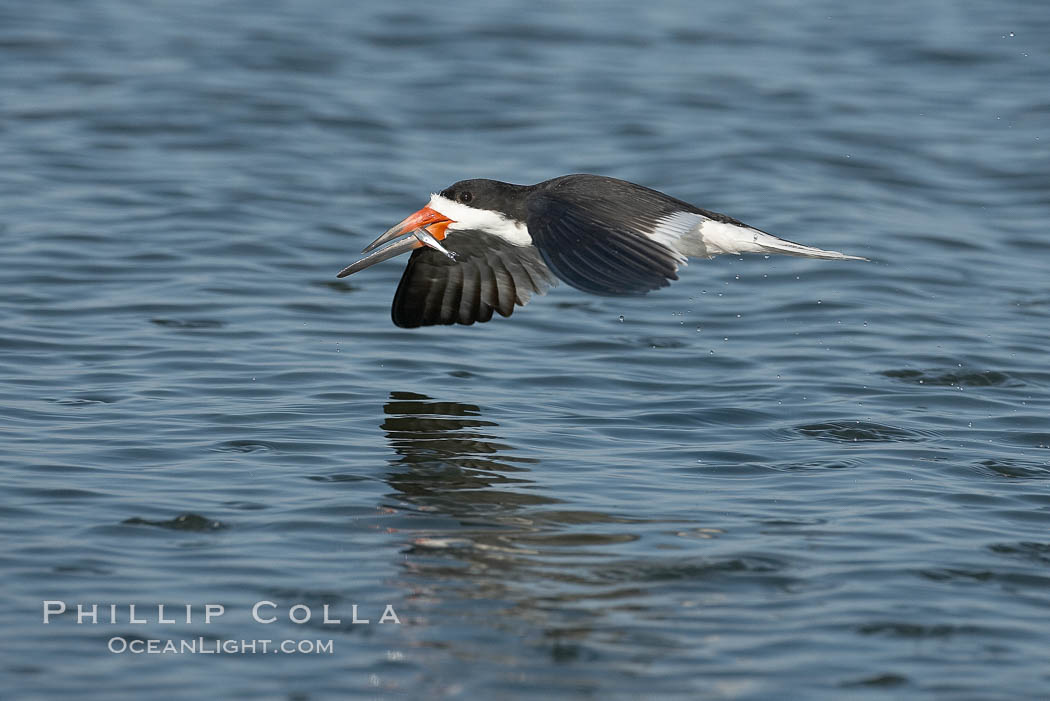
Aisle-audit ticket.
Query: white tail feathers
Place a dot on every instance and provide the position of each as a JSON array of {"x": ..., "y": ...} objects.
[{"x": 699, "y": 237}]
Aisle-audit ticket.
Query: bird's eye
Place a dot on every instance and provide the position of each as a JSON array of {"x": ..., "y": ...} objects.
[{"x": 465, "y": 197}]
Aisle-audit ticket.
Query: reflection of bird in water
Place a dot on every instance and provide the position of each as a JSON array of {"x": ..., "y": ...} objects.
[
  {"x": 447, "y": 458},
  {"x": 478, "y": 529}
]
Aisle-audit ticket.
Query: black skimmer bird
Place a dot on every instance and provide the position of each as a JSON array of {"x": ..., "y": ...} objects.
[{"x": 484, "y": 246}]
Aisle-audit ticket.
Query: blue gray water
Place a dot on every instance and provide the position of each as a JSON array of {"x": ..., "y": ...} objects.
[{"x": 777, "y": 478}]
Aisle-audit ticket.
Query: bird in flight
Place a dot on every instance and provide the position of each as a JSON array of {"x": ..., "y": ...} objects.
[{"x": 484, "y": 246}]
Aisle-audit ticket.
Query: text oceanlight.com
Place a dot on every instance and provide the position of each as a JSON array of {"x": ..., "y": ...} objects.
[{"x": 203, "y": 646}]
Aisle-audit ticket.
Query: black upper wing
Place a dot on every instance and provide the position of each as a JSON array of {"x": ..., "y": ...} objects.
[
  {"x": 489, "y": 274},
  {"x": 594, "y": 233}
]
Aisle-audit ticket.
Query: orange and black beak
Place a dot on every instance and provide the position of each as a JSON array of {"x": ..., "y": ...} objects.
[{"x": 426, "y": 220}]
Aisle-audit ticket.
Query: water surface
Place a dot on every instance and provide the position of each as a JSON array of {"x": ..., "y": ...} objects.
[{"x": 777, "y": 478}]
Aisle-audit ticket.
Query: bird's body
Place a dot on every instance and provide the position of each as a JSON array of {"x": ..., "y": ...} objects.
[{"x": 484, "y": 246}]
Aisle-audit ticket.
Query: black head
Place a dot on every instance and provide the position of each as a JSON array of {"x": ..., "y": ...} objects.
[{"x": 489, "y": 194}]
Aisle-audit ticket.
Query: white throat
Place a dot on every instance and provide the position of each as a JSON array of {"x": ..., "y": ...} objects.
[{"x": 466, "y": 218}]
